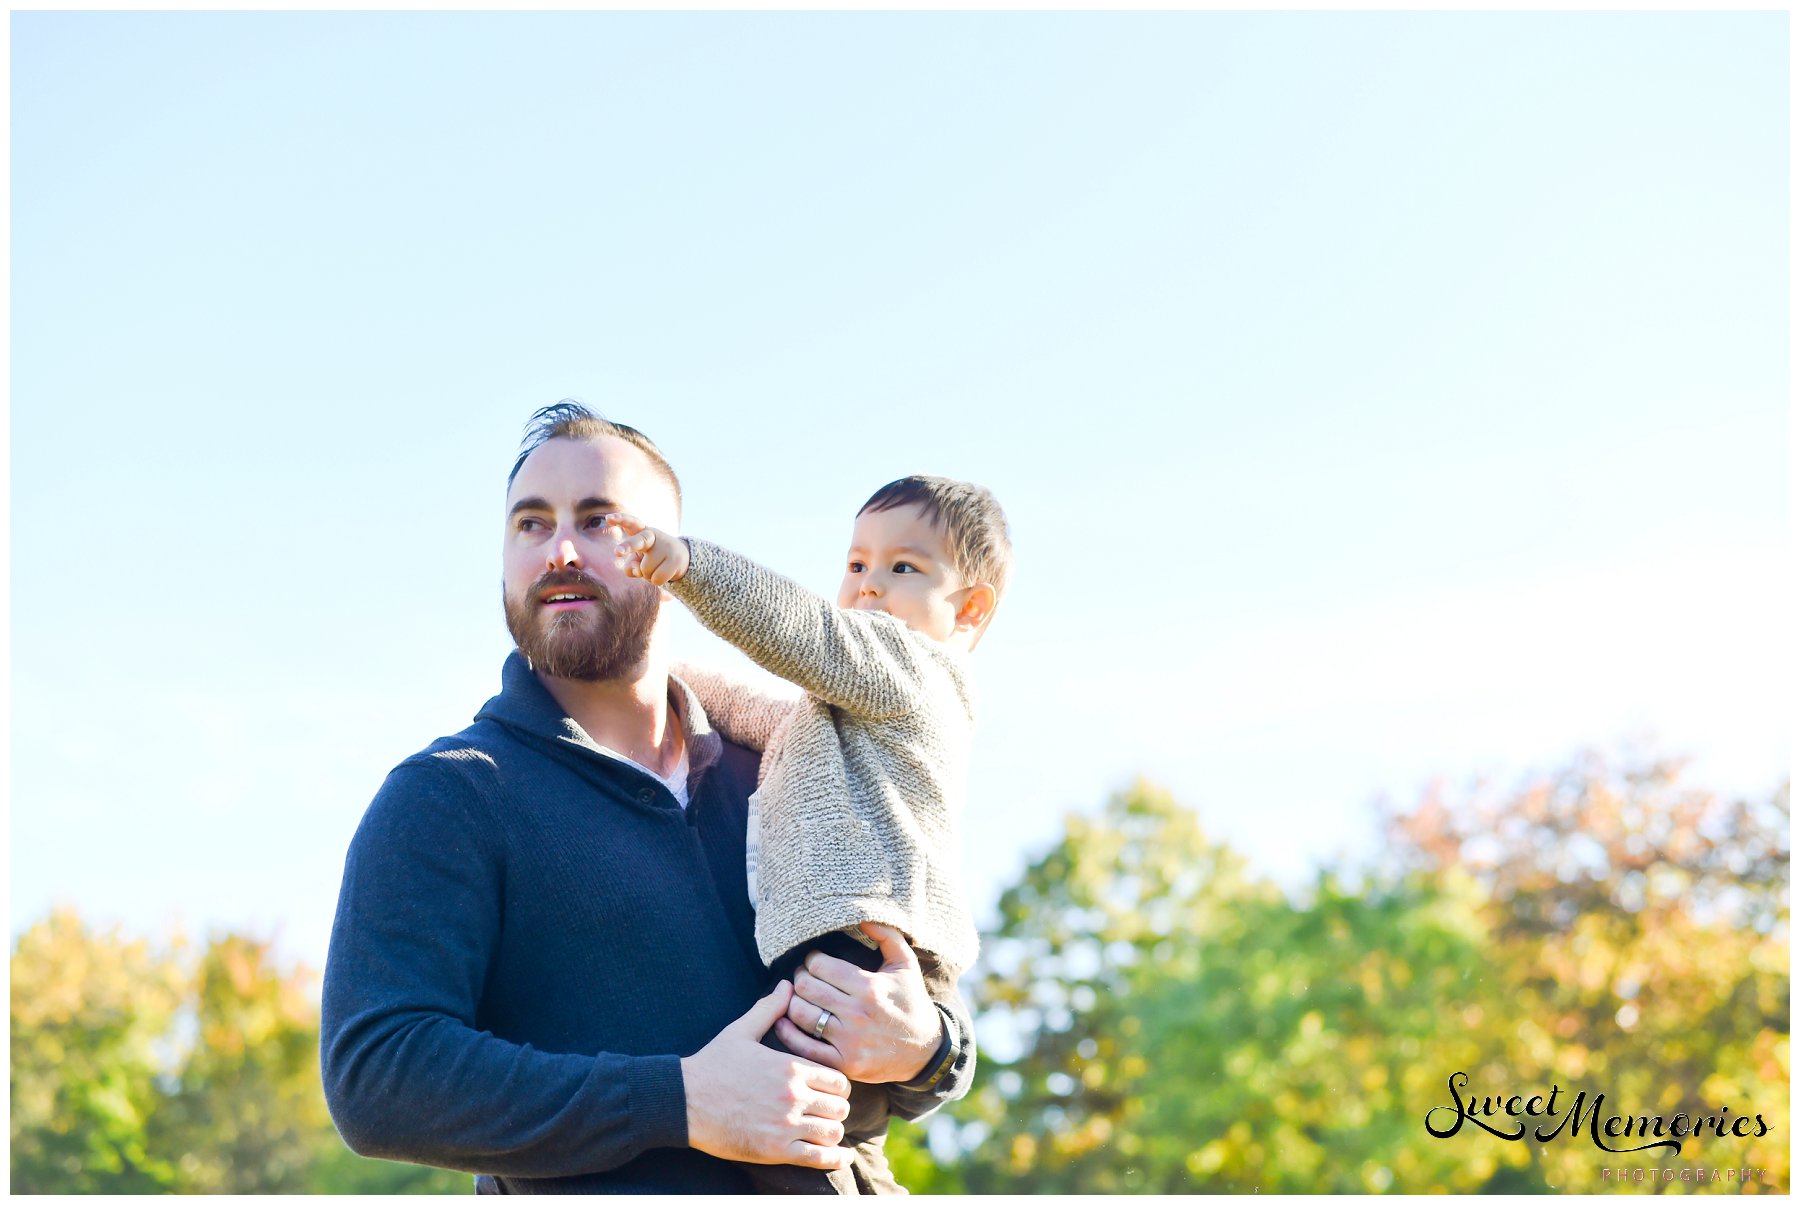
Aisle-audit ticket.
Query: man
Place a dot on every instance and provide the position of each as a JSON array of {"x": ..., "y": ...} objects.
[{"x": 543, "y": 968}]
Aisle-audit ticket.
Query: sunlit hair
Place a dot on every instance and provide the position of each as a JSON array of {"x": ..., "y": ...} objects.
[
  {"x": 569, "y": 419},
  {"x": 970, "y": 517}
]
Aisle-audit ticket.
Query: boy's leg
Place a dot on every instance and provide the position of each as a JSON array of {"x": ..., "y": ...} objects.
[{"x": 871, "y": 1171}]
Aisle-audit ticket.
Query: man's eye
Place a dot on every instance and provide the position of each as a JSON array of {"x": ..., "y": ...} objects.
[
  {"x": 529, "y": 524},
  {"x": 597, "y": 521}
]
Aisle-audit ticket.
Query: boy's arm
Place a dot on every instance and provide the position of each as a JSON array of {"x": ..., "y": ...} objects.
[
  {"x": 862, "y": 661},
  {"x": 741, "y": 711}
]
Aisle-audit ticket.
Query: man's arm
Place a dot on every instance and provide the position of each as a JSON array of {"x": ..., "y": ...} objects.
[
  {"x": 864, "y": 662},
  {"x": 407, "y": 1074}
]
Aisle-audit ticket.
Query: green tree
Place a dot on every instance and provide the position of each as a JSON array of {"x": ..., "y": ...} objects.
[
  {"x": 1640, "y": 926},
  {"x": 1156, "y": 1020},
  {"x": 89, "y": 1014},
  {"x": 136, "y": 1070},
  {"x": 246, "y": 1115},
  {"x": 1185, "y": 1028}
]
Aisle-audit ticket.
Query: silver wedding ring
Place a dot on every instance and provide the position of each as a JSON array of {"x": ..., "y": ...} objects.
[{"x": 821, "y": 1023}]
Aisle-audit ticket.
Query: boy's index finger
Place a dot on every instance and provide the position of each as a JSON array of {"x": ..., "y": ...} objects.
[{"x": 627, "y": 523}]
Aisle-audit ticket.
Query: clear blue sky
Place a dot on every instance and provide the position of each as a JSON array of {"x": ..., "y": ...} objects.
[{"x": 1374, "y": 397}]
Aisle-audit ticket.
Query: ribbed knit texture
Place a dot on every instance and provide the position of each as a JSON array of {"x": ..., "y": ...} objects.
[
  {"x": 530, "y": 936},
  {"x": 862, "y": 779}
]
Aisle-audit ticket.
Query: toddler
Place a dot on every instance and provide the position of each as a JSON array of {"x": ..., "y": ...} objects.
[{"x": 855, "y": 814}]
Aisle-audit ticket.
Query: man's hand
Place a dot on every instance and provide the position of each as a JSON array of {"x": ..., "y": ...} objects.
[
  {"x": 756, "y": 1105},
  {"x": 883, "y": 1028},
  {"x": 648, "y": 552}
]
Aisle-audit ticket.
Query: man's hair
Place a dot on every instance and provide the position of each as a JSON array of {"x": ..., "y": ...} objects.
[
  {"x": 569, "y": 419},
  {"x": 973, "y": 524}
]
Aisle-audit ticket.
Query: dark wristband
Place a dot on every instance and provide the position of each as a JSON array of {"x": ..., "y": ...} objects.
[{"x": 939, "y": 1064}]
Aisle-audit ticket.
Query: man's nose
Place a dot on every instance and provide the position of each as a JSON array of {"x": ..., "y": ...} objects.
[{"x": 564, "y": 556}]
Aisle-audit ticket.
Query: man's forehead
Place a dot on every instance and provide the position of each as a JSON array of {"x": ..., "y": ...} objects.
[{"x": 565, "y": 470}]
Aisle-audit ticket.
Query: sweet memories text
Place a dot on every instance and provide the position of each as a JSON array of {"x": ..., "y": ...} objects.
[{"x": 1582, "y": 1113}]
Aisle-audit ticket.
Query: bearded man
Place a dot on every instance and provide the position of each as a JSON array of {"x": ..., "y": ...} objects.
[{"x": 543, "y": 968}]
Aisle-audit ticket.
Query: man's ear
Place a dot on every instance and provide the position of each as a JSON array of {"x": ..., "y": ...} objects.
[{"x": 977, "y": 606}]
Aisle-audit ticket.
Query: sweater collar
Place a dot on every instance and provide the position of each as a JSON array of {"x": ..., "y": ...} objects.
[{"x": 524, "y": 704}]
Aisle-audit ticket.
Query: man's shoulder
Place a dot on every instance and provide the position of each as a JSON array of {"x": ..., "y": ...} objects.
[
  {"x": 481, "y": 746},
  {"x": 458, "y": 770}
]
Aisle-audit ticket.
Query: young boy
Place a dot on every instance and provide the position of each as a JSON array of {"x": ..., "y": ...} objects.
[{"x": 855, "y": 815}]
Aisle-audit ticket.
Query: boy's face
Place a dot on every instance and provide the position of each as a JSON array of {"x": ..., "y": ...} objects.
[{"x": 899, "y": 563}]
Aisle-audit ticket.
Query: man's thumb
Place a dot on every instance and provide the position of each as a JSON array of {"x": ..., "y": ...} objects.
[
  {"x": 895, "y": 953},
  {"x": 765, "y": 1012}
]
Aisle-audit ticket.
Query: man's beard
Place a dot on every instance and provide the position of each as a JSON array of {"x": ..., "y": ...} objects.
[{"x": 578, "y": 644}]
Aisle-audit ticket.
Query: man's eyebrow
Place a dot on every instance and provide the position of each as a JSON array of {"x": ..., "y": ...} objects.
[{"x": 585, "y": 505}]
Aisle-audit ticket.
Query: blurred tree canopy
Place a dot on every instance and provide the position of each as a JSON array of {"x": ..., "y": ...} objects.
[
  {"x": 1154, "y": 1018},
  {"x": 143, "y": 1070},
  {"x": 1180, "y": 1027}
]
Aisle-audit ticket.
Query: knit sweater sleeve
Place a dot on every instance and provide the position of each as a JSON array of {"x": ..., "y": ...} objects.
[
  {"x": 741, "y": 711},
  {"x": 864, "y": 662},
  {"x": 408, "y": 1073}
]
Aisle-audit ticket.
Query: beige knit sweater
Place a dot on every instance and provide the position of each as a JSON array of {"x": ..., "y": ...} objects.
[{"x": 862, "y": 779}]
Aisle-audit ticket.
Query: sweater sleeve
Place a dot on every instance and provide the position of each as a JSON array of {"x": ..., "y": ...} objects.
[
  {"x": 864, "y": 662},
  {"x": 408, "y": 1073},
  {"x": 741, "y": 711}
]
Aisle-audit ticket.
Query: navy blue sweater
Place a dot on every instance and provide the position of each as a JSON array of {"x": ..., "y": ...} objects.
[{"x": 530, "y": 936}]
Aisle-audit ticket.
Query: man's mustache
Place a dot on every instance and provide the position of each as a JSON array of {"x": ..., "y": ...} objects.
[{"x": 569, "y": 579}]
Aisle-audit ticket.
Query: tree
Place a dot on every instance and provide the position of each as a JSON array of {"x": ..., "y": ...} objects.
[
  {"x": 139, "y": 1070},
  {"x": 1154, "y": 1019},
  {"x": 1640, "y": 925},
  {"x": 90, "y": 1015},
  {"x": 1185, "y": 1028}
]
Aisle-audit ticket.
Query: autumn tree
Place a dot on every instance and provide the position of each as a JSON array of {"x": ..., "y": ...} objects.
[
  {"x": 1640, "y": 925},
  {"x": 1155, "y": 1019},
  {"x": 137, "y": 1069},
  {"x": 91, "y": 1014}
]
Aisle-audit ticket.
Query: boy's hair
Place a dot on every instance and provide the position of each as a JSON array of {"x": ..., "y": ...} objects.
[
  {"x": 973, "y": 524},
  {"x": 569, "y": 419}
]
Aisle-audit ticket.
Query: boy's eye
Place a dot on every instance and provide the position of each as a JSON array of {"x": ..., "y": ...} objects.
[
  {"x": 905, "y": 567},
  {"x": 856, "y": 566}
]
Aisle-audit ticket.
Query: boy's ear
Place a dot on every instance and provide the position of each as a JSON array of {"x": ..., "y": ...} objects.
[{"x": 976, "y": 606}]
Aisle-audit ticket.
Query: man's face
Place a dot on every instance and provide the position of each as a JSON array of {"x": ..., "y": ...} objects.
[
  {"x": 568, "y": 607},
  {"x": 900, "y": 563}
]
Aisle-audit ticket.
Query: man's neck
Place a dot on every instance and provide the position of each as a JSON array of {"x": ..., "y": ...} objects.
[{"x": 629, "y": 716}]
